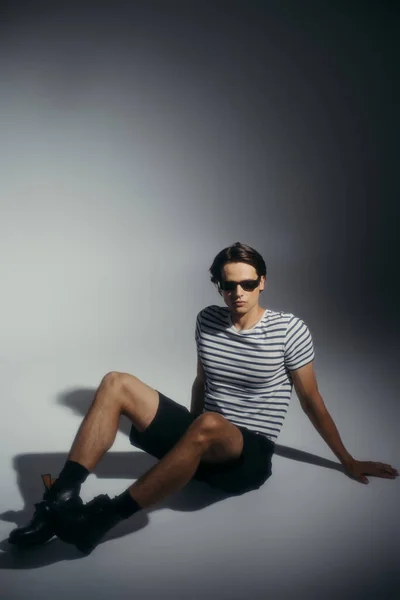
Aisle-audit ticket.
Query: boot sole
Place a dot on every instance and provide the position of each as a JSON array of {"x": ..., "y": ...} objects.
[
  {"x": 85, "y": 548},
  {"x": 30, "y": 543}
]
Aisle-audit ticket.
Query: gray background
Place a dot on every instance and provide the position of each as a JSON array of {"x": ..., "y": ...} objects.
[{"x": 138, "y": 140}]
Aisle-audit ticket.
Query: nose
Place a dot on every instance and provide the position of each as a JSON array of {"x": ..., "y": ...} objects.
[{"x": 238, "y": 293}]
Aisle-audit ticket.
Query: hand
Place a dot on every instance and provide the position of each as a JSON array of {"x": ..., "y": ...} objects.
[{"x": 358, "y": 469}]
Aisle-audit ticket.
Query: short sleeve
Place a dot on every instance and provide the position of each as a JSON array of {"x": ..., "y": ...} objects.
[{"x": 298, "y": 346}]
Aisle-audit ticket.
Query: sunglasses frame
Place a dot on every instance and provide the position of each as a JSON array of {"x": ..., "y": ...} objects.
[{"x": 233, "y": 284}]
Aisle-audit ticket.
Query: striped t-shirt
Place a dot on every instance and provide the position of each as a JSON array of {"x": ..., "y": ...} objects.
[{"x": 247, "y": 372}]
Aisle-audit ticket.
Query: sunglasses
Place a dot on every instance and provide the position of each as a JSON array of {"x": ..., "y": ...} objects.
[{"x": 248, "y": 285}]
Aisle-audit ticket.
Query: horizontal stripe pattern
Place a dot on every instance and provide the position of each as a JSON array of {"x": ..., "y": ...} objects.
[{"x": 247, "y": 372}]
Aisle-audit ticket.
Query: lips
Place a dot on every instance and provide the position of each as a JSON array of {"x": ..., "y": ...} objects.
[{"x": 238, "y": 303}]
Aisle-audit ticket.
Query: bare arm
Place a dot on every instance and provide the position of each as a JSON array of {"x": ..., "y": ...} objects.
[
  {"x": 306, "y": 386},
  {"x": 197, "y": 404},
  {"x": 324, "y": 424},
  {"x": 313, "y": 405}
]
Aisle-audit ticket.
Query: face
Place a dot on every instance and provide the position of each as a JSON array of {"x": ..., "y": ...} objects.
[{"x": 236, "y": 272}]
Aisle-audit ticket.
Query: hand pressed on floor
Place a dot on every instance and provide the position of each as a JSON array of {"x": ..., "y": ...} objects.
[{"x": 358, "y": 469}]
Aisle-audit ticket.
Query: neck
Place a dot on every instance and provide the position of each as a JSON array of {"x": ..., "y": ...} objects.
[{"x": 247, "y": 320}]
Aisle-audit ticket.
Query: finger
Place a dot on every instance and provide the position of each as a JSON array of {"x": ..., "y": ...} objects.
[
  {"x": 383, "y": 468},
  {"x": 390, "y": 470},
  {"x": 384, "y": 473}
]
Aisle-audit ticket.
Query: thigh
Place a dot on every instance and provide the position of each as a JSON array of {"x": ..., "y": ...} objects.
[
  {"x": 140, "y": 401},
  {"x": 168, "y": 426}
]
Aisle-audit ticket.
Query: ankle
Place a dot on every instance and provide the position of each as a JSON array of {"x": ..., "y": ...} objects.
[
  {"x": 68, "y": 484},
  {"x": 71, "y": 477},
  {"x": 125, "y": 505},
  {"x": 63, "y": 493},
  {"x": 74, "y": 471}
]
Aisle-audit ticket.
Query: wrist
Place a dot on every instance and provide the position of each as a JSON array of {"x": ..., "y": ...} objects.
[{"x": 347, "y": 460}]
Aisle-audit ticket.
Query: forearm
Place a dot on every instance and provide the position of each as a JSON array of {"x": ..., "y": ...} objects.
[
  {"x": 325, "y": 426},
  {"x": 197, "y": 402}
]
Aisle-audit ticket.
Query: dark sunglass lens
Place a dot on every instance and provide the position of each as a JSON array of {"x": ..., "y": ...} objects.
[{"x": 248, "y": 285}]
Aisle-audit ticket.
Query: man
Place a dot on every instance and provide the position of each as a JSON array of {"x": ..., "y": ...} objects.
[{"x": 248, "y": 360}]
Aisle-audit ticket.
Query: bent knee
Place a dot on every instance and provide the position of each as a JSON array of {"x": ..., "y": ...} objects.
[
  {"x": 111, "y": 378},
  {"x": 209, "y": 422},
  {"x": 116, "y": 379}
]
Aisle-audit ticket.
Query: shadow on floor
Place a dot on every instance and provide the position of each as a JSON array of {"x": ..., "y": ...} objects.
[{"x": 114, "y": 465}]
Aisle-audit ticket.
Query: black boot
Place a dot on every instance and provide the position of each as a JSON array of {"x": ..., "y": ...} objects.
[
  {"x": 40, "y": 530},
  {"x": 84, "y": 526}
]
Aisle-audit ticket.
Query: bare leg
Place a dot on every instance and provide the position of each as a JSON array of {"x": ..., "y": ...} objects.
[
  {"x": 118, "y": 393},
  {"x": 98, "y": 429},
  {"x": 173, "y": 471},
  {"x": 209, "y": 437},
  {"x": 124, "y": 394}
]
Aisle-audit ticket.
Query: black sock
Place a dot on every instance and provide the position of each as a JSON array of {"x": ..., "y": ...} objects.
[
  {"x": 72, "y": 475},
  {"x": 125, "y": 505}
]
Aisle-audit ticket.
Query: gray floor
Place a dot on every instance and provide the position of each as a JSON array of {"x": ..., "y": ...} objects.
[{"x": 309, "y": 532}]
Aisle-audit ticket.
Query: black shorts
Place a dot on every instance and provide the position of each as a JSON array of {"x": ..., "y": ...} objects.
[{"x": 237, "y": 476}]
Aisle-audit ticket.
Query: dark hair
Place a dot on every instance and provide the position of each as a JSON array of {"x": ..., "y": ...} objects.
[{"x": 237, "y": 253}]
